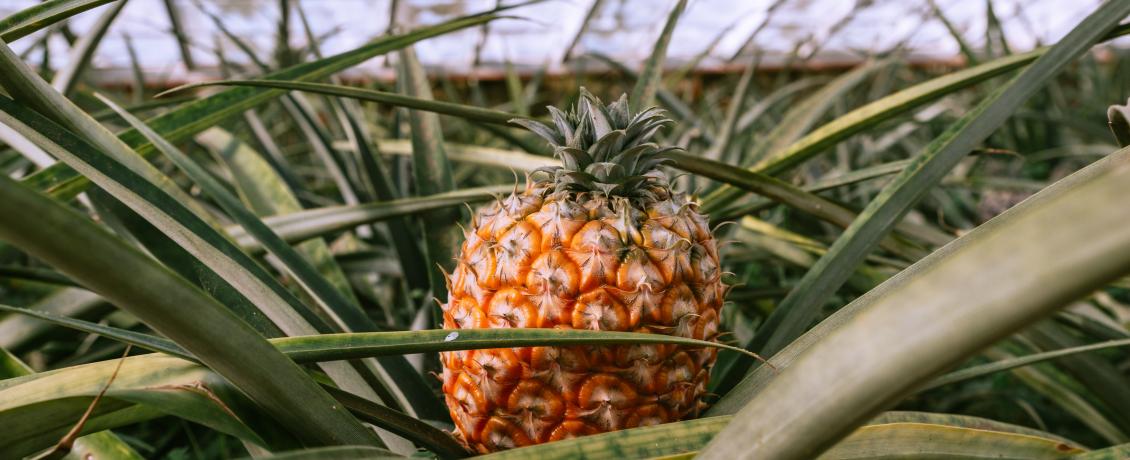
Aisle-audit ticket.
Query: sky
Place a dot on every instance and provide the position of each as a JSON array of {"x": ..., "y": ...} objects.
[{"x": 827, "y": 30}]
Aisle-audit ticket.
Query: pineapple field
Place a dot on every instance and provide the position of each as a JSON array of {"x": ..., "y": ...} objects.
[{"x": 304, "y": 251}]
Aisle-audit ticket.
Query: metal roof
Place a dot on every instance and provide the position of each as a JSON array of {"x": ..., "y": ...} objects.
[{"x": 824, "y": 30}]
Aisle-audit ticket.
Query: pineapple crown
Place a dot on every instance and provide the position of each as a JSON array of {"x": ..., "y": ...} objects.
[{"x": 605, "y": 149}]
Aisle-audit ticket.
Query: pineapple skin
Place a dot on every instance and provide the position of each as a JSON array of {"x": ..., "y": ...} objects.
[{"x": 545, "y": 259}]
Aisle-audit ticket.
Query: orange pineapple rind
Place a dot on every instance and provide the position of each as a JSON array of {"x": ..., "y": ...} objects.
[{"x": 601, "y": 243}]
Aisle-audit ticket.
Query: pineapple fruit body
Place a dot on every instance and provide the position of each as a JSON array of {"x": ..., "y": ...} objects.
[{"x": 583, "y": 256}]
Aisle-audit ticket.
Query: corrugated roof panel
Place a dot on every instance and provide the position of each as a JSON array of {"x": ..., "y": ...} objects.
[{"x": 623, "y": 29}]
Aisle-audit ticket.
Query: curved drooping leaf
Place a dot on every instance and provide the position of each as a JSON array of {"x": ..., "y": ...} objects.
[
  {"x": 366, "y": 345},
  {"x": 647, "y": 442},
  {"x": 19, "y": 332},
  {"x": 268, "y": 300},
  {"x": 135, "y": 282},
  {"x": 800, "y": 308},
  {"x": 952, "y": 314},
  {"x": 758, "y": 378},
  {"x": 1066, "y": 393},
  {"x": 1013, "y": 363},
  {"x": 42, "y": 15},
  {"x": 102, "y": 444},
  {"x": 795, "y": 197},
  {"x": 332, "y": 304},
  {"x": 1097, "y": 376},
  {"x": 901, "y": 436},
  {"x": 805, "y": 114},
  {"x": 303, "y": 225},
  {"x": 266, "y": 193},
  {"x": 478, "y": 155},
  {"x": 35, "y": 406},
  {"x": 41, "y": 275},
  {"x": 920, "y": 440},
  {"x": 468, "y": 112},
  {"x": 395, "y": 422},
  {"x": 83, "y": 50},
  {"x": 335, "y": 453},
  {"x": 411, "y": 428},
  {"x": 137, "y": 339},
  {"x": 884, "y": 109},
  {"x": 353, "y": 345},
  {"x": 62, "y": 181}
]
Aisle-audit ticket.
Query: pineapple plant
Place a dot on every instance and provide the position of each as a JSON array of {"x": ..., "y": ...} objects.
[
  {"x": 601, "y": 242},
  {"x": 191, "y": 232}
]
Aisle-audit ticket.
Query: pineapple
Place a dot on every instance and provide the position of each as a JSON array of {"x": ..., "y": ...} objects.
[{"x": 602, "y": 243}]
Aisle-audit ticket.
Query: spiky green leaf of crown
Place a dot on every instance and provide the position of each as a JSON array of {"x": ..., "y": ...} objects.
[{"x": 604, "y": 148}]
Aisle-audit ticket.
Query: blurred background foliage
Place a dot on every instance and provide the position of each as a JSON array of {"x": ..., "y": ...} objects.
[{"x": 743, "y": 85}]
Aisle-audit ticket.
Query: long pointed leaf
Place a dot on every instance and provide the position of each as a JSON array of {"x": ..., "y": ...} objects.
[
  {"x": 1013, "y": 363},
  {"x": 31, "y": 91},
  {"x": 41, "y": 15},
  {"x": 792, "y": 196},
  {"x": 884, "y": 109},
  {"x": 652, "y": 75},
  {"x": 102, "y": 444},
  {"x": 884, "y": 437},
  {"x": 154, "y": 384},
  {"x": 373, "y": 172},
  {"x": 138, "y": 284},
  {"x": 468, "y": 112},
  {"x": 804, "y": 115},
  {"x": 62, "y": 181},
  {"x": 335, "y": 453},
  {"x": 197, "y": 237},
  {"x": 756, "y": 380},
  {"x": 83, "y": 51},
  {"x": 266, "y": 193},
  {"x": 432, "y": 173},
  {"x": 798, "y": 310},
  {"x": 345, "y": 315},
  {"x": 332, "y": 304},
  {"x": 473, "y": 154},
  {"x": 951, "y": 313},
  {"x": 332, "y": 347},
  {"x": 303, "y": 225}
]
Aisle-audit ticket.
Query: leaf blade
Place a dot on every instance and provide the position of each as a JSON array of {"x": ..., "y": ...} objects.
[
  {"x": 41, "y": 15},
  {"x": 155, "y": 295}
]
